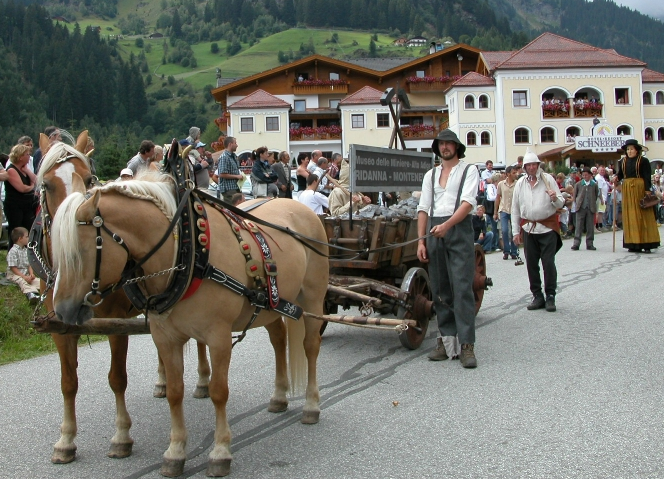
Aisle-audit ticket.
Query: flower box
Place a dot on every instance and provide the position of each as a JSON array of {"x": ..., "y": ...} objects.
[
  {"x": 307, "y": 133},
  {"x": 316, "y": 86}
]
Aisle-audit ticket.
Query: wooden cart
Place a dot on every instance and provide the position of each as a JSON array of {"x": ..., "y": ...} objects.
[{"x": 391, "y": 282}]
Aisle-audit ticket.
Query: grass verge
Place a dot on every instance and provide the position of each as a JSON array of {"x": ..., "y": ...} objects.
[{"x": 18, "y": 341}]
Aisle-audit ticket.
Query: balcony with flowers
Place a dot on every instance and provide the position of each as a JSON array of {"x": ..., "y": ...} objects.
[
  {"x": 419, "y": 131},
  {"x": 555, "y": 109},
  {"x": 221, "y": 122},
  {"x": 428, "y": 83},
  {"x": 584, "y": 108},
  {"x": 316, "y": 86},
  {"x": 308, "y": 133}
]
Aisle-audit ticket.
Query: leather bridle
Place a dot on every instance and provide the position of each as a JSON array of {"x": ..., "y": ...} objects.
[{"x": 131, "y": 266}]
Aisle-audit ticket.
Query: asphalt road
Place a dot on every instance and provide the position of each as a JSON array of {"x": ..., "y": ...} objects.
[{"x": 576, "y": 393}]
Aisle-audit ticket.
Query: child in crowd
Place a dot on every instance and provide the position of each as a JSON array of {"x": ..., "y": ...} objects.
[{"x": 18, "y": 269}]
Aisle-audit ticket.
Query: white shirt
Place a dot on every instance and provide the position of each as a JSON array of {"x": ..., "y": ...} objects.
[
  {"x": 603, "y": 186},
  {"x": 534, "y": 203},
  {"x": 445, "y": 198},
  {"x": 314, "y": 200},
  {"x": 491, "y": 192}
]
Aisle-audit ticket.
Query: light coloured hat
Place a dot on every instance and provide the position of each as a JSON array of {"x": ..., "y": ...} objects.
[
  {"x": 530, "y": 157},
  {"x": 126, "y": 171}
]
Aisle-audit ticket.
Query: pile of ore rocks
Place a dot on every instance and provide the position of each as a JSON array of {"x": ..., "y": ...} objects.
[{"x": 403, "y": 209}]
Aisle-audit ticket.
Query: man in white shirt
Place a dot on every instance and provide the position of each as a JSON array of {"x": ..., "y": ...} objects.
[
  {"x": 312, "y": 198},
  {"x": 488, "y": 172},
  {"x": 445, "y": 211},
  {"x": 535, "y": 225},
  {"x": 604, "y": 191}
]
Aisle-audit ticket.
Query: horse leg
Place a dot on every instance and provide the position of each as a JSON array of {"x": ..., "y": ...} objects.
[
  {"x": 171, "y": 352},
  {"x": 160, "y": 386},
  {"x": 121, "y": 442},
  {"x": 202, "y": 386},
  {"x": 311, "y": 411},
  {"x": 64, "y": 451},
  {"x": 219, "y": 463},
  {"x": 277, "y": 332}
]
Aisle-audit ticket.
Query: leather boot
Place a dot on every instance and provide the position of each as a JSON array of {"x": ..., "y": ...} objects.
[
  {"x": 467, "y": 356},
  {"x": 537, "y": 302},
  {"x": 438, "y": 354}
]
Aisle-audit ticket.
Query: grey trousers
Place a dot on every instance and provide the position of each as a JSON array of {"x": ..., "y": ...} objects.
[{"x": 451, "y": 271}]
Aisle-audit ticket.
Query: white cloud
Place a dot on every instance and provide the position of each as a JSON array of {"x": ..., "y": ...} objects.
[{"x": 647, "y": 7}]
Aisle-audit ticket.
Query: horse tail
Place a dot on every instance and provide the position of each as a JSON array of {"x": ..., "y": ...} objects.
[{"x": 297, "y": 360}]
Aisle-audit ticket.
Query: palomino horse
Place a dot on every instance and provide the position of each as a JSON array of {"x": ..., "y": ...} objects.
[
  {"x": 213, "y": 312},
  {"x": 55, "y": 177}
]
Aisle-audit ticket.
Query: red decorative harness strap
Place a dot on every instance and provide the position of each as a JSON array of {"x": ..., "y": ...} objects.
[{"x": 269, "y": 265}]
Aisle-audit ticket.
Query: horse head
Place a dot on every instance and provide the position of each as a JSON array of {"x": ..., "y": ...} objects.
[
  {"x": 95, "y": 240},
  {"x": 59, "y": 162}
]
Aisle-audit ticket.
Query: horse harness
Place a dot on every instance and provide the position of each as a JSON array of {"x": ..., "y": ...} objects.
[
  {"x": 41, "y": 227},
  {"x": 192, "y": 264}
]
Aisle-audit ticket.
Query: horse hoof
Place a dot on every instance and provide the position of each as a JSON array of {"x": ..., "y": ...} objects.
[
  {"x": 218, "y": 468},
  {"x": 201, "y": 392},
  {"x": 120, "y": 450},
  {"x": 277, "y": 406},
  {"x": 63, "y": 455},
  {"x": 159, "y": 391},
  {"x": 310, "y": 417},
  {"x": 172, "y": 467}
]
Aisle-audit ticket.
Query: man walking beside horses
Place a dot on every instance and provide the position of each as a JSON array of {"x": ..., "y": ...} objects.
[{"x": 445, "y": 211}]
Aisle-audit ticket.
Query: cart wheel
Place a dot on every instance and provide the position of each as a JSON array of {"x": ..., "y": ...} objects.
[
  {"x": 416, "y": 284},
  {"x": 480, "y": 280}
]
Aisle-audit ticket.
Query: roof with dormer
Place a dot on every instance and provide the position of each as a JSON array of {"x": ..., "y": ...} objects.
[
  {"x": 260, "y": 99},
  {"x": 553, "y": 51}
]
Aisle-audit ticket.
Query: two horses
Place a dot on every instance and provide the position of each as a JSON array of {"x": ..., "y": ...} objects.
[
  {"x": 140, "y": 212},
  {"x": 60, "y": 161}
]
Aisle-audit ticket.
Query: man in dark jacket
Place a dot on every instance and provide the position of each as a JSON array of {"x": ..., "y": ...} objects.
[{"x": 586, "y": 194}]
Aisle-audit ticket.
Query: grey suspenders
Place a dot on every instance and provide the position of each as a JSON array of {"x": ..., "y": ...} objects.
[{"x": 458, "y": 199}]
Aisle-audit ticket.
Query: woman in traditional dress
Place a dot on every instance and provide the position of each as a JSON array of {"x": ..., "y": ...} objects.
[{"x": 640, "y": 231}]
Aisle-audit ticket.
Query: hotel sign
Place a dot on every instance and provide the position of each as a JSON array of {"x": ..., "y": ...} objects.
[{"x": 601, "y": 143}]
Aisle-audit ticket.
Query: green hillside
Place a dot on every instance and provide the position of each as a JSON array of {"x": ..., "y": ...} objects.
[{"x": 259, "y": 57}]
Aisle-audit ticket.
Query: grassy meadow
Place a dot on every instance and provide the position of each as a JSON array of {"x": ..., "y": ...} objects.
[{"x": 260, "y": 57}]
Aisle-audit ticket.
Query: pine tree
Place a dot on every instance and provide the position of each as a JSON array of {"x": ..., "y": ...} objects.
[
  {"x": 288, "y": 13},
  {"x": 176, "y": 25}
]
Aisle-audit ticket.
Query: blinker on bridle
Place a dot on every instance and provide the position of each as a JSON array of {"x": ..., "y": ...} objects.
[{"x": 130, "y": 266}]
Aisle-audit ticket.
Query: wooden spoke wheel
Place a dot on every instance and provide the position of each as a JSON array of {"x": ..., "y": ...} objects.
[
  {"x": 420, "y": 306},
  {"x": 480, "y": 281}
]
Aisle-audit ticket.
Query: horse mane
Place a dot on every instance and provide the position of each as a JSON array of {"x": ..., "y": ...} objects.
[
  {"x": 151, "y": 186},
  {"x": 57, "y": 153},
  {"x": 64, "y": 236},
  {"x": 155, "y": 187}
]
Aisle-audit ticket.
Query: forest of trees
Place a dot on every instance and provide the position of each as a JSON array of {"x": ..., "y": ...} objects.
[{"x": 76, "y": 81}]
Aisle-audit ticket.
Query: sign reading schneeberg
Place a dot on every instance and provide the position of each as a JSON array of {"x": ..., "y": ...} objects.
[
  {"x": 385, "y": 169},
  {"x": 603, "y": 139}
]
